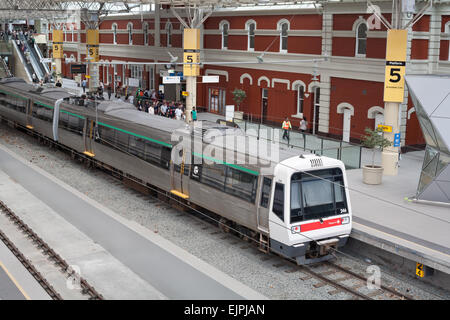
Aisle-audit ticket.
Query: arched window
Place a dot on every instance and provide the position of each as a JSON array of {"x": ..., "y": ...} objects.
[
  {"x": 447, "y": 31},
  {"x": 130, "y": 33},
  {"x": 169, "y": 29},
  {"x": 251, "y": 27},
  {"x": 65, "y": 33},
  {"x": 300, "y": 98},
  {"x": 361, "y": 39},
  {"x": 71, "y": 31},
  {"x": 224, "y": 28},
  {"x": 114, "y": 29},
  {"x": 283, "y": 27},
  {"x": 145, "y": 32}
]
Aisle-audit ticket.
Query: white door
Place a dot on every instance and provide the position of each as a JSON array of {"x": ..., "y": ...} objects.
[
  {"x": 379, "y": 119},
  {"x": 346, "y": 125}
]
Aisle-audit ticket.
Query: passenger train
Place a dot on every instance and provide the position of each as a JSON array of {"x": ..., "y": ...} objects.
[{"x": 297, "y": 206}]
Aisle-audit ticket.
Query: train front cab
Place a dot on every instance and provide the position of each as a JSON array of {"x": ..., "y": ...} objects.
[{"x": 310, "y": 212}]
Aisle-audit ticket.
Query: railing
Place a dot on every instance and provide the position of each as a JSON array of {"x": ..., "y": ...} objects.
[{"x": 348, "y": 153}]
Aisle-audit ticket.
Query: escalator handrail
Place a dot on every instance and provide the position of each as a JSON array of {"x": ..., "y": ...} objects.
[
  {"x": 36, "y": 68},
  {"x": 22, "y": 59}
]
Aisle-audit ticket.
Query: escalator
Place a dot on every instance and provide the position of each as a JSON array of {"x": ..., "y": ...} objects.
[
  {"x": 4, "y": 69},
  {"x": 23, "y": 67},
  {"x": 33, "y": 58}
]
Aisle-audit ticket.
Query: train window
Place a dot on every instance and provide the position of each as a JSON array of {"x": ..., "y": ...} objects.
[
  {"x": 265, "y": 192},
  {"x": 317, "y": 194},
  {"x": 42, "y": 113},
  {"x": 122, "y": 140},
  {"x": 214, "y": 176},
  {"x": 21, "y": 105},
  {"x": 107, "y": 135},
  {"x": 240, "y": 184},
  {"x": 152, "y": 153},
  {"x": 278, "y": 201},
  {"x": 137, "y": 146},
  {"x": 76, "y": 124}
]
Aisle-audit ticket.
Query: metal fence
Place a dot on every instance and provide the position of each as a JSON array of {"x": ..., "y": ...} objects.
[{"x": 348, "y": 153}]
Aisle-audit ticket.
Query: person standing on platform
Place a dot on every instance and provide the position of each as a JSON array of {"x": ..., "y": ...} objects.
[
  {"x": 303, "y": 126},
  {"x": 109, "y": 92},
  {"x": 194, "y": 114},
  {"x": 286, "y": 126},
  {"x": 83, "y": 85}
]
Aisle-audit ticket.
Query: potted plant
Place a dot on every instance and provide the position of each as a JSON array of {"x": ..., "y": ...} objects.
[
  {"x": 374, "y": 139},
  {"x": 238, "y": 96}
]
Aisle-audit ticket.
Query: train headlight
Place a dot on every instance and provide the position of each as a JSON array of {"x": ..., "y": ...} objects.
[
  {"x": 345, "y": 220},
  {"x": 295, "y": 229}
]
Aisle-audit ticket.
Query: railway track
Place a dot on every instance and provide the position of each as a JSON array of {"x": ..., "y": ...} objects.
[
  {"x": 326, "y": 273},
  {"x": 64, "y": 267}
]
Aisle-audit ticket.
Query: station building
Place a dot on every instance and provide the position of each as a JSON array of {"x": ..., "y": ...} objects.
[{"x": 340, "y": 95}]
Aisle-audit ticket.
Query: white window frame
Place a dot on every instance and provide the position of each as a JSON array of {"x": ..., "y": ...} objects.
[
  {"x": 247, "y": 27},
  {"x": 72, "y": 31},
  {"x": 169, "y": 34},
  {"x": 222, "y": 24},
  {"x": 280, "y": 28},
  {"x": 145, "y": 33},
  {"x": 114, "y": 32},
  {"x": 357, "y": 39},
  {"x": 65, "y": 32},
  {"x": 130, "y": 33}
]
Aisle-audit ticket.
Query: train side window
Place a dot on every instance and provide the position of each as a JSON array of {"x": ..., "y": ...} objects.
[
  {"x": 214, "y": 176},
  {"x": 122, "y": 140},
  {"x": 166, "y": 154},
  {"x": 152, "y": 153},
  {"x": 42, "y": 113},
  {"x": 240, "y": 184},
  {"x": 137, "y": 146},
  {"x": 265, "y": 192},
  {"x": 278, "y": 201},
  {"x": 107, "y": 134}
]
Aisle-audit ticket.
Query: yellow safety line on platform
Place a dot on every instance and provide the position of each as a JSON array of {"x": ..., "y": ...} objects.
[
  {"x": 178, "y": 193},
  {"x": 14, "y": 281}
]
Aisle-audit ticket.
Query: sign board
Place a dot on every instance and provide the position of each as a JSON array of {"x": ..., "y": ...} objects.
[
  {"x": 40, "y": 38},
  {"x": 46, "y": 60},
  {"x": 88, "y": 77},
  {"x": 78, "y": 68},
  {"x": 92, "y": 44},
  {"x": 229, "y": 112},
  {"x": 185, "y": 93},
  {"x": 57, "y": 38},
  {"x": 210, "y": 79},
  {"x": 397, "y": 140},
  {"x": 394, "y": 82},
  {"x": 133, "y": 82},
  {"x": 169, "y": 80},
  {"x": 419, "y": 270},
  {"x": 385, "y": 128},
  {"x": 191, "y": 54}
]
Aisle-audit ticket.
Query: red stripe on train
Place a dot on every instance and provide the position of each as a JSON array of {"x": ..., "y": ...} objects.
[{"x": 317, "y": 225}]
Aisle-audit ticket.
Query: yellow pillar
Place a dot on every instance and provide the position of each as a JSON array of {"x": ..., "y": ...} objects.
[
  {"x": 92, "y": 54},
  {"x": 57, "y": 37},
  {"x": 191, "y": 54},
  {"x": 394, "y": 91}
]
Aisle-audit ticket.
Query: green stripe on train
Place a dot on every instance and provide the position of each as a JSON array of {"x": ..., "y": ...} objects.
[
  {"x": 144, "y": 137},
  {"x": 136, "y": 135},
  {"x": 226, "y": 163}
]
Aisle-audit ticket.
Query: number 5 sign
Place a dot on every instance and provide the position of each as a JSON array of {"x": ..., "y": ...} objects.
[{"x": 394, "y": 82}]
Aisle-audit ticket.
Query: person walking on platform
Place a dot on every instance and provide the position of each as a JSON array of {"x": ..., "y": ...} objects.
[
  {"x": 303, "y": 126},
  {"x": 286, "y": 126}
]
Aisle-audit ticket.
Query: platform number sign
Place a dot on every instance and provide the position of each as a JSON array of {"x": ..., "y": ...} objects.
[
  {"x": 394, "y": 83},
  {"x": 419, "y": 270}
]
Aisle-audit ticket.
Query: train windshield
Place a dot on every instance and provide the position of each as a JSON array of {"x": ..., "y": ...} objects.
[{"x": 317, "y": 194}]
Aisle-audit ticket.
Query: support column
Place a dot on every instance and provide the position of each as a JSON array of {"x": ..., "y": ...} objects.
[
  {"x": 191, "y": 54},
  {"x": 92, "y": 54},
  {"x": 57, "y": 38},
  {"x": 157, "y": 24}
]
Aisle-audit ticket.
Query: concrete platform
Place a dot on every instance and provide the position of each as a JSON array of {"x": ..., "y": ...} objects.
[
  {"x": 16, "y": 283},
  {"x": 120, "y": 258},
  {"x": 385, "y": 219}
]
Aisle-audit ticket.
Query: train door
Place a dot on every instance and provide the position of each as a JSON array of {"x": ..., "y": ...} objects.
[
  {"x": 29, "y": 109},
  {"x": 88, "y": 135},
  {"x": 262, "y": 216},
  {"x": 180, "y": 174}
]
